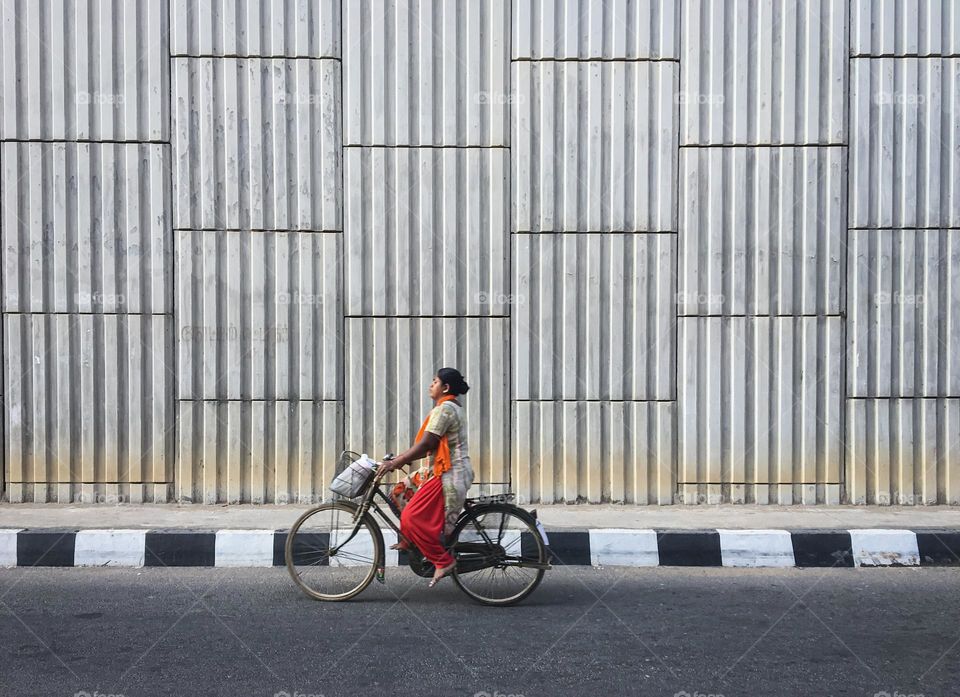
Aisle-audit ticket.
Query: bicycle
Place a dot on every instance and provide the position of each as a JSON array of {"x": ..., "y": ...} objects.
[{"x": 500, "y": 548}]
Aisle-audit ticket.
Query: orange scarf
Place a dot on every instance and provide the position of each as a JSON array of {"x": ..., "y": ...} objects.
[{"x": 441, "y": 461}]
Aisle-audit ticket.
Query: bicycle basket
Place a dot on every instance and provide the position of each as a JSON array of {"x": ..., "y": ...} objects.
[{"x": 355, "y": 474}]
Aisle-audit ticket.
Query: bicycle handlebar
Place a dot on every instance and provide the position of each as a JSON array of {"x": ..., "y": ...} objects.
[{"x": 380, "y": 471}]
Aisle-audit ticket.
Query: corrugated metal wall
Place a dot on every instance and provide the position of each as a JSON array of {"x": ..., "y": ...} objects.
[
  {"x": 762, "y": 238},
  {"x": 904, "y": 28},
  {"x": 281, "y": 28},
  {"x": 88, "y": 344},
  {"x": 436, "y": 219},
  {"x": 584, "y": 30},
  {"x": 760, "y": 402},
  {"x": 905, "y": 142},
  {"x": 763, "y": 73},
  {"x": 763, "y": 230},
  {"x": 903, "y": 258},
  {"x": 426, "y": 73},
  {"x": 86, "y": 227},
  {"x": 594, "y": 146},
  {"x": 97, "y": 70},
  {"x": 683, "y": 250},
  {"x": 256, "y": 143}
]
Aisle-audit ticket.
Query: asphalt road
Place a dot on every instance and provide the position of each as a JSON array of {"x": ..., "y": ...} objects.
[{"x": 600, "y": 632}]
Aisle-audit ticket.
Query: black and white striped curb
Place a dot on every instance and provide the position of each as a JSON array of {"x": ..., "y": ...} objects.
[{"x": 602, "y": 547}]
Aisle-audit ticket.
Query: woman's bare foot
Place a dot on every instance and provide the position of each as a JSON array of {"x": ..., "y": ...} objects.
[
  {"x": 402, "y": 545},
  {"x": 440, "y": 573}
]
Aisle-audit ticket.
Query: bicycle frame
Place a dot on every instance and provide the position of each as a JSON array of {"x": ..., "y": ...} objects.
[{"x": 368, "y": 504}]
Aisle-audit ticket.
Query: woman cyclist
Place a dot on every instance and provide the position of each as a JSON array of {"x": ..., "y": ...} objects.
[{"x": 431, "y": 498}]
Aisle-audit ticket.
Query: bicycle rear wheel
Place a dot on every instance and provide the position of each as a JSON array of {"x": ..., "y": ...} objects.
[
  {"x": 322, "y": 557},
  {"x": 501, "y": 557}
]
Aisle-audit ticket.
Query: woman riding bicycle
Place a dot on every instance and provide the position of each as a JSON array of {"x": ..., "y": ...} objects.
[
  {"x": 430, "y": 499},
  {"x": 495, "y": 551}
]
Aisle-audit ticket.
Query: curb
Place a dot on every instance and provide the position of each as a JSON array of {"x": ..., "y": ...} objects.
[{"x": 599, "y": 547}]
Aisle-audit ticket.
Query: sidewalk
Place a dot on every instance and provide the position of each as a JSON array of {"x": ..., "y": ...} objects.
[
  {"x": 554, "y": 517},
  {"x": 599, "y": 535}
]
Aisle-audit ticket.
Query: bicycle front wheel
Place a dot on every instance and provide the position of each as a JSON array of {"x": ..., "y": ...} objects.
[
  {"x": 501, "y": 557},
  {"x": 326, "y": 558}
]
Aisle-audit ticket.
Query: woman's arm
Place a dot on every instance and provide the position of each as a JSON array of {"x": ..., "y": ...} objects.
[{"x": 418, "y": 450}]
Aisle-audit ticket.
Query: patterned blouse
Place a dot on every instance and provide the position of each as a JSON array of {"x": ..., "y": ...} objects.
[{"x": 446, "y": 419}]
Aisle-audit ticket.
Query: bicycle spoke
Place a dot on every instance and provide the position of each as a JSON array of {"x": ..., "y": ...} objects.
[
  {"x": 330, "y": 554},
  {"x": 349, "y": 556},
  {"x": 496, "y": 575}
]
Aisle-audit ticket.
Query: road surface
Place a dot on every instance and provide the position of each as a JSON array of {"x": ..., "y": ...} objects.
[{"x": 686, "y": 632}]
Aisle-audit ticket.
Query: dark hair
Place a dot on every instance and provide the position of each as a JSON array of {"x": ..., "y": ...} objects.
[{"x": 452, "y": 377}]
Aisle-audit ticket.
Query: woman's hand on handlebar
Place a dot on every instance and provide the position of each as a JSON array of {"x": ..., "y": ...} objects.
[{"x": 389, "y": 464}]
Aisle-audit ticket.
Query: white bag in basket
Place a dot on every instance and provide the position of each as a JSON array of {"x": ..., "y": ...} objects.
[{"x": 352, "y": 480}]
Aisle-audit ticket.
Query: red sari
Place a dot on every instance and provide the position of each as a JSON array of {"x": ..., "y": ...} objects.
[
  {"x": 422, "y": 518},
  {"x": 421, "y": 522}
]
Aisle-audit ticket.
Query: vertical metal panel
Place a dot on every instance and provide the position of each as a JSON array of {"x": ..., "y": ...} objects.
[
  {"x": 584, "y": 29},
  {"x": 413, "y": 212},
  {"x": 763, "y": 72},
  {"x": 89, "y": 398},
  {"x": 577, "y": 451},
  {"x": 86, "y": 228},
  {"x": 903, "y": 451},
  {"x": 594, "y": 146},
  {"x": 95, "y": 70},
  {"x": 904, "y": 142},
  {"x": 275, "y": 28},
  {"x": 390, "y": 363},
  {"x": 759, "y": 402},
  {"x": 259, "y": 315},
  {"x": 594, "y": 316},
  {"x": 904, "y": 27},
  {"x": 904, "y": 313},
  {"x": 761, "y": 231},
  {"x": 88, "y": 492},
  {"x": 257, "y": 452},
  {"x": 256, "y": 144},
  {"x": 426, "y": 73}
]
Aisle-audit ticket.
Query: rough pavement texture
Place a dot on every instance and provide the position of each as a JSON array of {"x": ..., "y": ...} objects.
[{"x": 606, "y": 631}]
